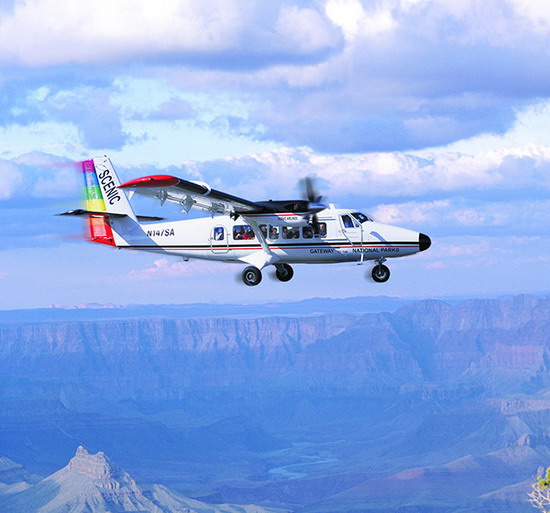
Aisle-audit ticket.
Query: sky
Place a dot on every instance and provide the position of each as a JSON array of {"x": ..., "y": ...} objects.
[{"x": 433, "y": 115}]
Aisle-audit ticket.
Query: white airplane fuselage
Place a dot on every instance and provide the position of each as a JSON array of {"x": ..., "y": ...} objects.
[
  {"x": 273, "y": 238},
  {"x": 260, "y": 234}
]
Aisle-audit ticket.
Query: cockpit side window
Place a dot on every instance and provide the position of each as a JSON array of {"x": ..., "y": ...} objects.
[
  {"x": 347, "y": 221},
  {"x": 362, "y": 218}
]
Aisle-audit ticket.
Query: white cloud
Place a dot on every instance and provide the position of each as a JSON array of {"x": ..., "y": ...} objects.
[
  {"x": 37, "y": 175},
  {"x": 303, "y": 30},
  {"x": 537, "y": 12},
  {"x": 354, "y": 20},
  {"x": 399, "y": 174},
  {"x": 407, "y": 74},
  {"x": 163, "y": 268},
  {"x": 50, "y": 32},
  {"x": 411, "y": 212},
  {"x": 53, "y": 32},
  {"x": 10, "y": 179}
]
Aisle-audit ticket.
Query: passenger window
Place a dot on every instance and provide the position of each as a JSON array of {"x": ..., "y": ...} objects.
[
  {"x": 307, "y": 232},
  {"x": 322, "y": 229},
  {"x": 273, "y": 232},
  {"x": 219, "y": 233},
  {"x": 243, "y": 232},
  {"x": 291, "y": 233},
  {"x": 263, "y": 229},
  {"x": 346, "y": 220}
]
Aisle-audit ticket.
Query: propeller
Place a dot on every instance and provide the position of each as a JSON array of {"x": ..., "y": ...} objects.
[{"x": 314, "y": 202}]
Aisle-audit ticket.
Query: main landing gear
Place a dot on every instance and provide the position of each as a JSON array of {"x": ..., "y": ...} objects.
[
  {"x": 380, "y": 273},
  {"x": 253, "y": 276},
  {"x": 284, "y": 272}
]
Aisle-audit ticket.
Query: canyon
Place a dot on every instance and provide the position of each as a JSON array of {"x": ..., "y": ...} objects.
[{"x": 427, "y": 407}]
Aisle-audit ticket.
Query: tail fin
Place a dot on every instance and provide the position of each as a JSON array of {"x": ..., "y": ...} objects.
[{"x": 102, "y": 194}]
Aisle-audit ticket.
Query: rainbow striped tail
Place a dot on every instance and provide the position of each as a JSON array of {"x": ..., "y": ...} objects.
[{"x": 101, "y": 194}]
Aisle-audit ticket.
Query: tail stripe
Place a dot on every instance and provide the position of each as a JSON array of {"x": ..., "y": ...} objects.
[
  {"x": 100, "y": 228},
  {"x": 94, "y": 197}
]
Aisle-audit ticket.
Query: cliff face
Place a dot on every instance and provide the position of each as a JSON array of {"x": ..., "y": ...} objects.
[
  {"x": 11, "y": 472},
  {"x": 429, "y": 391},
  {"x": 125, "y": 357},
  {"x": 487, "y": 343}
]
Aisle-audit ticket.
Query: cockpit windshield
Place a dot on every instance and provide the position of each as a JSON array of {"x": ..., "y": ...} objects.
[{"x": 362, "y": 218}]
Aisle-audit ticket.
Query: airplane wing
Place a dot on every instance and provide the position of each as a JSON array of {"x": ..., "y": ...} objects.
[{"x": 192, "y": 195}]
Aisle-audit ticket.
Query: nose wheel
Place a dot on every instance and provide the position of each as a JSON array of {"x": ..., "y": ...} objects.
[
  {"x": 380, "y": 273},
  {"x": 284, "y": 272},
  {"x": 252, "y": 276}
]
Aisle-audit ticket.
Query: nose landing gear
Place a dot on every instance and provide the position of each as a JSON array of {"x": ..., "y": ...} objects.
[{"x": 380, "y": 273}]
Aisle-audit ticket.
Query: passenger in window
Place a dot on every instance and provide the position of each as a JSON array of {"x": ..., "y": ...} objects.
[
  {"x": 263, "y": 229},
  {"x": 218, "y": 233},
  {"x": 273, "y": 232},
  {"x": 322, "y": 229},
  {"x": 292, "y": 233},
  {"x": 307, "y": 232}
]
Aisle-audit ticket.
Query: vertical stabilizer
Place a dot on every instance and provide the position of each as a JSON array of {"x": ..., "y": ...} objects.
[
  {"x": 102, "y": 194},
  {"x": 115, "y": 199}
]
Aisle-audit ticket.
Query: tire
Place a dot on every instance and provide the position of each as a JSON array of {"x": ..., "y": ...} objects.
[
  {"x": 380, "y": 273},
  {"x": 252, "y": 276},
  {"x": 284, "y": 272}
]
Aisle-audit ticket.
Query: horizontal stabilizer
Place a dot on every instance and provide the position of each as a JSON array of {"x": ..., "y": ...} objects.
[{"x": 82, "y": 212}]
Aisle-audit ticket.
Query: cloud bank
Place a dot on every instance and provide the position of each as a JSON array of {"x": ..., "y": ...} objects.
[{"x": 338, "y": 76}]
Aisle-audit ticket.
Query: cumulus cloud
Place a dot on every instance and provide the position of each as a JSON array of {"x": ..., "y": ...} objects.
[
  {"x": 394, "y": 174},
  {"x": 163, "y": 268},
  {"x": 52, "y": 32},
  {"x": 38, "y": 175},
  {"x": 412, "y": 212},
  {"x": 411, "y": 75},
  {"x": 337, "y": 75},
  {"x": 90, "y": 109},
  {"x": 10, "y": 179},
  {"x": 170, "y": 110}
]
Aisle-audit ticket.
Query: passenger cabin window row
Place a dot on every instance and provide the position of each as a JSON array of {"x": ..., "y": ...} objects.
[{"x": 271, "y": 232}]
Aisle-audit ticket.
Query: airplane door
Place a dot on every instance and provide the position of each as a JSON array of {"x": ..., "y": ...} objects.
[
  {"x": 352, "y": 230},
  {"x": 219, "y": 241}
]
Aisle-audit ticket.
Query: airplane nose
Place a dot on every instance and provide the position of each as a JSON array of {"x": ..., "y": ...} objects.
[{"x": 424, "y": 242}]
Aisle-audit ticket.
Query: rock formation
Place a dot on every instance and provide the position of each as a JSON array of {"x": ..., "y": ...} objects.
[{"x": 92, "y": 483}]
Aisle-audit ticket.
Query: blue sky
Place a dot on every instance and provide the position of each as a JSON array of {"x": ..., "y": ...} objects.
[{"x": 430, "y": 114}]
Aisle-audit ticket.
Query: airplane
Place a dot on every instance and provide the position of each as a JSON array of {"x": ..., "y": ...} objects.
[{"x": 256, "y": 233}]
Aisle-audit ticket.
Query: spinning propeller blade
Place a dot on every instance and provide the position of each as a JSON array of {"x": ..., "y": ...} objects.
[{"x": 314, "y": 202}]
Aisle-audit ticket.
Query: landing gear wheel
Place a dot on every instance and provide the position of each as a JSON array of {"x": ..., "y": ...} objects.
[
  {"x": 284, "y": 272},
  {"x": 380, "y": 273},
  {"x": 252, "y": 276}
]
